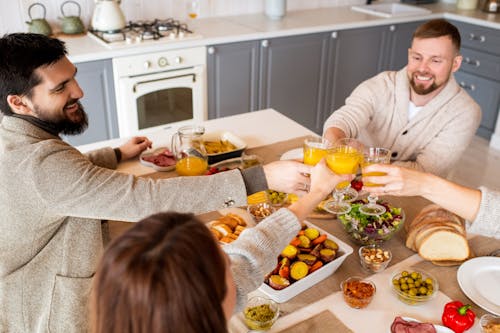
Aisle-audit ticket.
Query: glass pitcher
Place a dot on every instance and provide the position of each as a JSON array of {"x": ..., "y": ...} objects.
[{"x": 189, "y": 150}]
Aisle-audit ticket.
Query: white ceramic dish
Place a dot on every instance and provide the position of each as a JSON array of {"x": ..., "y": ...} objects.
[
  {"x": 297, "y": 287},
  {"x": 439, "y": 328},
  {"x": 216, "y": 136},
  {"x": 479, "y": 279},
  {"x": 155, "y": 151}
]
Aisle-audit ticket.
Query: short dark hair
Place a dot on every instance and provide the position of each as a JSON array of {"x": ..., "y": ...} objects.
[
  {"x": 439, "y": 28},
  {"x": 20, "y": 55},
  {"x": 166, "y": 274}
]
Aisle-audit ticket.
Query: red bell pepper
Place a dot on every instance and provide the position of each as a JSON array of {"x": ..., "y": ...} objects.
[{"x": 458, "y": 317}]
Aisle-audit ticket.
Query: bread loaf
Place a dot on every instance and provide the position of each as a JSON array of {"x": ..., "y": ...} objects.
[{"x": 438, "y": 235}]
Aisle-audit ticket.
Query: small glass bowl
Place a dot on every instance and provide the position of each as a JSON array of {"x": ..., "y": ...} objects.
[
  {"x": 276, "y": 198},
  {"x": 358, "y": 292},
  {"x": 489, "y": 323},
  {"x": 405, "y": 296},
  {"x": 260, "y": 211},
  {"x": 374, "y": 258},
  {"x": 260, "y": 313}
]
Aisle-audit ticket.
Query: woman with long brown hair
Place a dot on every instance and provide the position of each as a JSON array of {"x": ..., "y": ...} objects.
[{"x": 168, "y": 273}]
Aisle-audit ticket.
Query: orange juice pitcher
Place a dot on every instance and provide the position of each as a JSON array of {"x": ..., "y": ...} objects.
[{"x": 189, "y": 150}]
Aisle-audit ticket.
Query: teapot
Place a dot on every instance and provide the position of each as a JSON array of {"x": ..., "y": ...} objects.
[
  {"x": 71, "y": 24},
  {"x": 189, "y": 151},
  {"x": 108, "y": 16},
  {"x": 40, "y": 25}
]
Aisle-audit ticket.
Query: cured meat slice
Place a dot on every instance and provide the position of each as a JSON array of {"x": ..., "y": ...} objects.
[
  {"x": 399, "y": 325},
  {"x": 164, "y": 158}
]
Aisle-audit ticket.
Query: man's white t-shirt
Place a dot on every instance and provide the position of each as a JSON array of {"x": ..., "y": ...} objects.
[{"x": 413, "y": 110}]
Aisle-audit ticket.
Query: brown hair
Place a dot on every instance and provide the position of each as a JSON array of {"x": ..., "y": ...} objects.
[
  {"x": 439, "y": 28},
  {"x": 165, "y": 274}
]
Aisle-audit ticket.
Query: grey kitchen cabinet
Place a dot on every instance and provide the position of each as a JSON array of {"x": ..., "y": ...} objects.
[
  {"x": 479, "y": 73},
  {"x": 292, "y": 70},
  {"x": 280, "y": 73},
  {"x": 396, "y": 56},
  {"x": 96, "y": 80},
  {"x": 232, "y": 71}
]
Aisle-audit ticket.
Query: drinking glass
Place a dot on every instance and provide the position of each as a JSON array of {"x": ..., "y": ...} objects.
[
  {"x": 343, "y": 159},
  {"x": 374, "y": 155},
  {"x": 193, "y": 8},
  {"x": 315, "y": 148}
]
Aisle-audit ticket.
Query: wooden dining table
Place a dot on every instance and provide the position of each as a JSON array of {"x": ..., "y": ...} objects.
[{"x": 321, "y": 308}]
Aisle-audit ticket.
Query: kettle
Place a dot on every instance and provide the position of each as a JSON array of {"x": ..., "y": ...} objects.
[
  {"x": 71, "y": 24},
  {"x": 490, "y": 6},
  {"x": 108, "y": 16},
  {"x": 40, "y": 25}
]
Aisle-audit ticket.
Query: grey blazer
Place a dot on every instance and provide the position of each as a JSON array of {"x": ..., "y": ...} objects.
[{"x": 52, "y": 201}]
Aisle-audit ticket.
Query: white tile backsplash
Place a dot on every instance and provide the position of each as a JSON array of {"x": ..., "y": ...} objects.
[{"x": 14, "y": 13}]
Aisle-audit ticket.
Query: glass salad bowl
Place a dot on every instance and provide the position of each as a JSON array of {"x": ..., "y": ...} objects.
[{"x": 369, "y": 229}]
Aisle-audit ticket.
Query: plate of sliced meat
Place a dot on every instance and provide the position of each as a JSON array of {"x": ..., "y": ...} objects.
[
  {"x": 410, "y": 325},
  {"x": 160, "y": 159}
]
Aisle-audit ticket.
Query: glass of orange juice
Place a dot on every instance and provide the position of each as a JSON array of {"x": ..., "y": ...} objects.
[
  {"x": 315, "y": 148},
  {"x": 193, "y": 8},
  {"x": 343, "y": 159},
  {"x": 374, "y": 155}
]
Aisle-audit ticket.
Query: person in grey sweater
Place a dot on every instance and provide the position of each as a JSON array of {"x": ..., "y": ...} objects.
[
  {"x": 53, "y": 198},
  {"x": 166, "y": 274},
  {"x": 479, "y": 207},
  {"x": 420, "y": 113}
]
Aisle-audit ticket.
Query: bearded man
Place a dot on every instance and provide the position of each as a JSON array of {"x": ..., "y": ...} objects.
[
  {"x": 420, "y": 113},
  {"x": 53, "y": 198}
]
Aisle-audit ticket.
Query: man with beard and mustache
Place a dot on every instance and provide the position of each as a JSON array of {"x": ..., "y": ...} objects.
[
  {"x": 420, "y": 113},
  {"x": 53, "y": 198}
]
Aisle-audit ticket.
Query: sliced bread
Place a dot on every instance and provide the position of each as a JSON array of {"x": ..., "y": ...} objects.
[{"x": 444, "y": 245}]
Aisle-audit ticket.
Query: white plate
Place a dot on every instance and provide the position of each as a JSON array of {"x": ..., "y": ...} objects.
[
  {"x": 152, "y": 165},
  {"x": 439, "y": 328},
  {"x": 479, "y": 279},
  {"x": 299, "y": 286},
  {"x": 294, "y": 154}
]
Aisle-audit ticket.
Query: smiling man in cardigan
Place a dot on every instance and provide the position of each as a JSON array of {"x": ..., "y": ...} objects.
[{"x": 420, "y": 113}]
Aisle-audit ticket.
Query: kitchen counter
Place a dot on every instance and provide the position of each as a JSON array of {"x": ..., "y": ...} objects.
[{"x": 257, "y": 26}]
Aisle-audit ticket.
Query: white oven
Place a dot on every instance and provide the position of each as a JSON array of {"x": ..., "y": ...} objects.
[{"x": 155, "y": 90}]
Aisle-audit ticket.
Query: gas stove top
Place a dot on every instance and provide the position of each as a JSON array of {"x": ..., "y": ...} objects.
[{"x": 144, "y": 33}]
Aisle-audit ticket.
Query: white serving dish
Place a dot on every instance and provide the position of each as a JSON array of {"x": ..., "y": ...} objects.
[
  {"x": 225, "y": 135},
  {"x": 156, "y": 151},
  {"x": 299, "y": 286}
]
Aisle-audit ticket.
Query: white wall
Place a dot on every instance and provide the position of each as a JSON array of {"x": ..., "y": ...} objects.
[{"x": 14, "y": 13}]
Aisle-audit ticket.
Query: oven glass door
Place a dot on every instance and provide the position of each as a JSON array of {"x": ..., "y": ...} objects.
[
  {"x": 164, "y": 101},
  {"x": 158, "y": 99}
]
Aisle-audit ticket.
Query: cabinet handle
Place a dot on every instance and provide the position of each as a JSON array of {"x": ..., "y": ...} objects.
[
  {"x": 473, "y": 62},
  {"x": 211, "y": 50},
  {"x": 334, "y": 35},
  {"x": 392, "y": 27},
  {"x": 466, "y": 86},
  {"x": 264, "y": 43},
  {"x": 480, "y": 39}
]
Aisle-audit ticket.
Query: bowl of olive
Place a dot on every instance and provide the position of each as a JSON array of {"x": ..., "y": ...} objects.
[
  {"x": 277, "y": 198},
  {"x": 414, "y": 287}
]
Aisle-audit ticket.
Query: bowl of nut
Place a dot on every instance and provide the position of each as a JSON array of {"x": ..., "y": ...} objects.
[
  {"x": 358, "y": 292},
  {"x": 260, "y": 211},
  {"x": 374, "y": 258},
  {"x": 260, "y": 313},
  {"x": 414, "y": 287}
]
